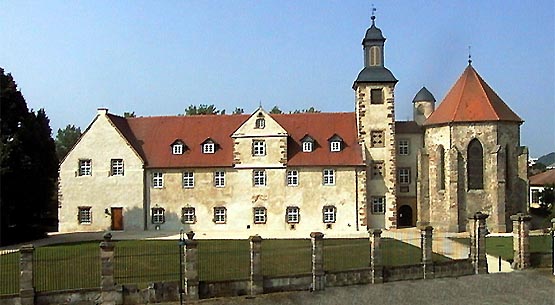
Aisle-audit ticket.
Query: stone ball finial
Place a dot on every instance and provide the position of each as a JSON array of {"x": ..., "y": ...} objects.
[
  {"x": 107, "y": 236},
  {"x": 190, "y": 234}
]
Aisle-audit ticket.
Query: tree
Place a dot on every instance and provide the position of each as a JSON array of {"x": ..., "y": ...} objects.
[
  {"x": 203, "y": 109},
  {"x": 29, "y": 168},
  {"x": 276, "y": 110},
  {"x": 129, "y": 114},
  {"x": 309, "y": 110},
  {"x": 238, "y": 111},
  {"x": 547, "y": 198},
  {"x": 65, "y": 139}
]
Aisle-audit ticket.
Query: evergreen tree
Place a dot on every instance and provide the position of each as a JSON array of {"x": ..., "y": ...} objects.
[
  {"x": 65, "y": 139},
  {"x": 276, "y": 110},
  {"x": 203, "y": 109}
]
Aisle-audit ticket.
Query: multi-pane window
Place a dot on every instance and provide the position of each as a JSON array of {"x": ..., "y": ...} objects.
[
  {"x": 85, "y": 167},
  {"x": 377, "y": 170},
  {"x": 259, "y": 177},
  {"x": 258, "y": 148},
  {"x": 404, "y": 175},
  {"x": 292, "y": 214},
  {"x": 376, "y": 96},
  {"x": 378, "y": 205},
  {"x": 328, "y": 213},
  {"x": 328, "y": 176},
  {"x": 375, "y": 56},
  {"x": 157, "y": 180},
  {"x": 85, "y": 215},
  {"x": 335, "y": 146},
  {"x": 208, "y": 148},
  {"x": 260, "y": 123},
  {"x": 475, "y": 165},
  {"x": 188, "y": 215},
  {"x": 377, "y": 138},
  {"x": 117, "y": 167},
  {"x": 219, "y": 178},
  {"x": 403, "y": 147},
  {"x": 308, "y": 146},
  {"x": 220, "y": 215},
  {"x": 292, "y": 178},
  {"x": 259, "y": 215},
  {"x": 188, "y": 179},
  {"x": 535, "y": 196},
  {"x": 158, "y": 216},
  {"x": 177, "y": 149}
]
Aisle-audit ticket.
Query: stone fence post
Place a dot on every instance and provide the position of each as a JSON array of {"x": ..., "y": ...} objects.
[
  {"x": 256, "y": 280},
  {"x": 191, "y": 267},
  {"x": 108, "y": 293},
  {"x": 426, "y": 243},
  {"x": 376, "y": 256},
  {"x": 478, "y": 233},
  {"x": 26, "y": 288},
  {"x": 521, "y": 241},
  {"x": 318, "y": 276}
]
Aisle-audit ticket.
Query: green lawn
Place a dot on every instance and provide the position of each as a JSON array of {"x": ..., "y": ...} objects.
[
  {"x": 9, "y": 273},
  {"x": 503, "y": 245}
]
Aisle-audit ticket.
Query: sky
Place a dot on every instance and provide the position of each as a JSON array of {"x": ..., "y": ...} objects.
[{"x": 159, "y": 57}]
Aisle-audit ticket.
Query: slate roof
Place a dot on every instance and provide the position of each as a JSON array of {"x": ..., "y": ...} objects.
[
  {"x": 407, "y": 127},
  {"x": 541, "y": 179},
  {"x": 423, "y": 95},
  {"x": 471, "y": 99},
  {"x": 375, "y": 74},
  {"x": 151, "y": 137}
]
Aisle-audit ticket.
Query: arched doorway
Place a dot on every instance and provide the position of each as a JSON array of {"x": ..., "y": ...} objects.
[{"x": 404, "y": 216}]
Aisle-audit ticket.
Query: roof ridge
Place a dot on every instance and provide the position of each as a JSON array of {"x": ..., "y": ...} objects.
[
  {"x": 459, "y": 99},
  {"x": 481, "y": 82}
]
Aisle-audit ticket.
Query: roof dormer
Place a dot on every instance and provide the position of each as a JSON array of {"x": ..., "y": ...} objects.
[
  {"x": 336, "y": 143},
  {"x": 307, "y": 143},
  {"x": 209, "y": 146},
  {"x": 178, "y": 147}
]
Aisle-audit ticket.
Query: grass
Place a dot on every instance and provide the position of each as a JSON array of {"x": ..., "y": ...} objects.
[
  {"x": 78, "y": 265},
  {"x": 503, "y": 245}
]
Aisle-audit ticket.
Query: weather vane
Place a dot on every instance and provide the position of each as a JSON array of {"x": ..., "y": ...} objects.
[
  {"x": 469, "y": 56},
  {"x": 373, "y": 11}
]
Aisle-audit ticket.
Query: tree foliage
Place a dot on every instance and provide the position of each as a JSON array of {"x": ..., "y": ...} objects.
[
  {"x": 28, "y": 168},
  {"x": 203, "y": 109},
  {"x": 129, "y": 114},
  {"x": 65, "y": 139},
  {"x": 308, "y": 110},
  {"x": 238, "y": 111},
  {"x": 276, "y": 110},
  {"x": 547, "y": 197}
]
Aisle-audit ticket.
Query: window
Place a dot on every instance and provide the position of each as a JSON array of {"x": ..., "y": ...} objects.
[
  {"x": 378, "y": 205},
  {"x": 259, "y": 215},
  {"x": 403, "y": 146},
  {"x": 377, "y": 170},
  {"x": 535, "y": 196},
  {"x": 292, "y": 178},
  {"x": 219, "y": 178},
  {"x": 157, "y": 180},
  {"x": 375, "y": 56},
  {"x": 188, "y": 215},
  {"x": 292, "y": 214},
  {"x": 188, "y": 179},
  {"x": 258, "y": 148},
  {"x": 376, "y": 96},
  {"x": 259, "y": 177},
  {"x": 158, "y": 216},
  {"x": 85, "y": 215},
  {"x": 377, "y": 138},
  {"x": 329, "y": 214},
  {"x": 328, "y": 176},
  {"x": 208, "y": 148},
  {"x": 308, "y": 146},
  {"x": 335, "y": 146},
  {"x": 260, "y": 123},
  {"x": 117, "y": 167},
  {"x": 220, "y": 215},
  {"x": 475, "y": 165},
  {"x": 404, "y": 175},
  {"x": 441, "y": 167},
  {"x": 177, "y": 149},
  {"x": 85, "y": 167}
]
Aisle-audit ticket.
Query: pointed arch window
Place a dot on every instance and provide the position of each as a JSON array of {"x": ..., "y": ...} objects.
[
  {"x": 441, "y": 167},
  {"x": 475, "y": 165}
]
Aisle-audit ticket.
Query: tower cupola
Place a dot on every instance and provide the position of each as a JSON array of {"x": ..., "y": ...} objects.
[{"x": 424, "y": 105}]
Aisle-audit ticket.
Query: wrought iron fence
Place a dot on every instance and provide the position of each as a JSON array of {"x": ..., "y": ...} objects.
[
  {"x": 286, "y": 257},
  {"x": 9, "y": 272},
  {"x": 342, "y": 254},
  {"x": 65, "y": 267},
  {"x": 223, "y": 260}
]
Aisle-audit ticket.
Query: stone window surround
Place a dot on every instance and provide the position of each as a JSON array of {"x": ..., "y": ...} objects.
[
  {"x": 188, "y": 215},
  {"x": 403, "y": 174},
  {"x": 259, "y": 177},
  {"x": 85, "y": 167},
  {"x": 329, "y": 214},
  {"x": 219, "y": 178},
  {"x": 260, "y": 123},
  {"x": 158, "y": 215},
  {"x": 84, "y": 215},
  {"x": 258, "y": 148},
  {"x": 116, "y": 167},
  {"x": 292, "y": 177},
  {"x": 292, "y": 214},
  {"x": 188, "y": 179},
  {"x": 377, "y": 138},
  {"x": 378, "y": 169},
  {"x": 259, "y": 215},
  {"x": 378, "y": 204},
  {"x": 403, "y": 146},
  {"x": 220, "y": 215},
  {"x": 157, "y": 180},
  {"x": 376, "y": 96},
  {"x": 328, "y": 176}
]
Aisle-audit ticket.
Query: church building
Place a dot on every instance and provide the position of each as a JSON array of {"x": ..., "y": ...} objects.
[{"x": 286, "y": 175}]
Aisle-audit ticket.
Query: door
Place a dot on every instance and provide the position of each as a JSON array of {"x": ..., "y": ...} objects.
[
  {"x": 117, "y": 218},
  {"x": 405, "y": 216}
]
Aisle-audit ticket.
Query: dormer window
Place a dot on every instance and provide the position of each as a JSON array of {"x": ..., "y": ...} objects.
[
  {"x": 260, "y": 123},
  {"x": 177, "y": 148},
  {"x": 307, "y": 143},
  {"x": 336, "y": 143},
  {"x": 208, "y": 146}
]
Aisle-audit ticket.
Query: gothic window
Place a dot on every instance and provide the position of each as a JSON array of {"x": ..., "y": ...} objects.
[
  {"x": 475, "y": 165},
  {"x": 441, "y": 167},
  {"x": 376, "y": 96},
  {"x": 377, "y": 138}
]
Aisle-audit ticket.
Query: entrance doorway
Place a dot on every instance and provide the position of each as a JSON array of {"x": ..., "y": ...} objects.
[
  {"x": 405, "y": 216},
  {"x": 117, "y": 219}
]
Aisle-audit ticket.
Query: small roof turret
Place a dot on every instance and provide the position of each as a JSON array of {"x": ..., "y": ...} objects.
[
  {"x": 423, "y": 95},
  {"x": 373, "y": 33}
]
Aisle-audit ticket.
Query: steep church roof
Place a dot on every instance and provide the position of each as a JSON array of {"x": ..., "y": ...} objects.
[{"x": 471, "y": 99}]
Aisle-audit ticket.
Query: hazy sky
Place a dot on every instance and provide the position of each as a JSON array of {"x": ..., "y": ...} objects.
[{"x": 158, "y": 57}]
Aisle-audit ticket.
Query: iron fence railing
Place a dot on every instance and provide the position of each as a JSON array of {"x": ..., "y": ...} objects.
[
  {"x": 223, "y": 259},
  {"x": 346, "y": 253},
  {"x": 9, "y": 272},
  {"x": 286, "y": 257}
]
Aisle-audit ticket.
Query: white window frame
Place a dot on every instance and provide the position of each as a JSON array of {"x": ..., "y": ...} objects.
[
  {"x": 259, "y": 215},
  {"x": 335, "y": 146},
  {"x": 117, "y": 168},
  {"x": 404, "y": 147},
  {"x": 260, "y": 123},
  {"x": 378, "y": 205},
  {"x": 292, "y": 214},
  {"x": 188, "y": 179},
  {"x": 219, "y": 178},
  {"x": 157, "y": 180},
  {"x": 329, "y": 214},
  {"x": 259, "y": 177},
  {"x": 535, "y": 195},
  {"x": 188, "y": 215},
  {"x": 220, "y": 215},
  {"x": 158, "y": 215},
  {"x": 404, "y": 175},
  {"x": 308, "y": 146},
  {"x": 292, "y": 177},
  {"x": 85, "y": 167},
  {"x": 84, "y": 215},
  {"x": 177, "y": 149},
  {"x": 208, "y": 148},
  {"x": 258, "y": 148},
  {"x": 328, "y": 176}
]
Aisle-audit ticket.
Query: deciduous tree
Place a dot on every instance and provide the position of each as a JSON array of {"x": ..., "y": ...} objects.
[{"x": 65, "y": 139}]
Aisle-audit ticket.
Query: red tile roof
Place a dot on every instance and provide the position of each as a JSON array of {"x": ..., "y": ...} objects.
[
  {"x": 152, "y": 136},
  {"x": 471, "y": 100},
  {"x": 541, "y": 179}
]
